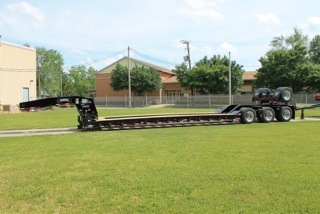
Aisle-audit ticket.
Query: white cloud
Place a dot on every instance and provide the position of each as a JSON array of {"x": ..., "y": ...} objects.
[
  {"x": 311, "y": 25},
  {"x": 225, "y": 48},
  {"x": 23, "y": 7},
  {"x": 178, "y": 44},
  {"x": 109, "y": 61},
  {"x": 200, "y": 4},
  {"x": 208, "y": 51},
  {"x": 268, "y": 18},
  {"x": 314, "y": 21},
  {"x": 200, "y": 9}
]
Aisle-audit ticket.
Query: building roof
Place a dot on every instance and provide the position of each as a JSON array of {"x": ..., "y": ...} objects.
[
  {"x": 249, "y": 75},
  {"x": 158, "y": 68},
  {"x": 172, "y": 79},
  {"x": 17, "y": 46}
]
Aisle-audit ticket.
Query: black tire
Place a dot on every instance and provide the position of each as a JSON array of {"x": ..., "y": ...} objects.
[
  {"x": 247, "y": 115},
  {"x": 285, "y": 94},
  {"x": 266, "y": 115},
  {"x": 284, "y": 114}
]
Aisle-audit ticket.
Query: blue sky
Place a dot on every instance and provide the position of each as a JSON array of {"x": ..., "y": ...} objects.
[{"x": 98, "y": 32}]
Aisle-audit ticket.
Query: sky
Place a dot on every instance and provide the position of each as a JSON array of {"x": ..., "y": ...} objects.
[{"x": 98, "y": 32}]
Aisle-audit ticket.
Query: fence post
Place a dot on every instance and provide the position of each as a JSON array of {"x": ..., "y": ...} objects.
[
  {"x": 306, "y": 98},
  {"x": 187, "y": 101}
]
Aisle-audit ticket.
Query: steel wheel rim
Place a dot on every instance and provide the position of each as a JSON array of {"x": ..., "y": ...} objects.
[
  {"x": 286, "y": 95},
  {"x": 268, "y": 115},
  {"x": 286, "y": 114},
  {"x": 249, "y": 116}
]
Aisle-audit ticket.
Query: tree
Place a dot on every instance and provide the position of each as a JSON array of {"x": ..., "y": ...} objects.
[
  {"x": 295, "y": 39},
  {"x": 283, "y": 68},
  {"x": 286, "y": 64},
  {"x": 49, "y": 66},
  {"x": 210, "y": 75},
  {"x": 314, "y": 54},
  {"x": 119, "y": 78},
  {"x": 314, "y": 80},
  {"x": 314, "y": 50},
  {"x": 143, "y": 79},
  {"x": 182, "y": 75},
  {"x": 78, "y": 81},
  {"x": 209, "y": 79}
]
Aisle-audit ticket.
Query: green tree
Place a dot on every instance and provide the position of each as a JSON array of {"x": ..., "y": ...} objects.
[
  {"x": 210, "y": 75},
  {"x": 143, "y": 79},
  {"x": 49, "y": 66},
  {"x": 314, "y": 50},
  {"x": 182, "y": 72},
  {"x": 286, "y": 64},
  {"x": 119, "y": 78},
  {"x": 314, "y": 80},
  {"x": 295, "y": 39},
  {"x": 314, "y": 54},
  {"x": 78, "y": 81},
  {"x": 205, "y": 79}
]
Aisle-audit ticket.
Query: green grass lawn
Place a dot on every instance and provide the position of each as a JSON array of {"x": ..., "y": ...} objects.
[
  {"x": 256, "y": 168},
  {"x": 65, "y": 118}
]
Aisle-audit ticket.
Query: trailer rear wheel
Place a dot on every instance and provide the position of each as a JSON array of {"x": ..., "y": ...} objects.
[
  {"x": 248, "y": 115},
  {"x": 284, "y": 114},
  {"x": 266, "y": 115}
]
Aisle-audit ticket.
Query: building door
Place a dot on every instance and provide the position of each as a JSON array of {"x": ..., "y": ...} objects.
[
  {"x": 172, "y": 95},
  {"x": 25, "y": 94}
]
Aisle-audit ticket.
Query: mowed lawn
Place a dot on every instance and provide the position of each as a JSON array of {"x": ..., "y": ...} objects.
[{"x": 256, "y": 168}]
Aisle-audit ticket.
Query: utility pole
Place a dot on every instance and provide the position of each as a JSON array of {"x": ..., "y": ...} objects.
[
  {"x": 129, "y": 77},
  {"x": 187, "y": 58}
]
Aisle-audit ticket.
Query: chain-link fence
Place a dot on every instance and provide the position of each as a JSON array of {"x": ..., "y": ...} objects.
[{"x": 199, "y": 101}]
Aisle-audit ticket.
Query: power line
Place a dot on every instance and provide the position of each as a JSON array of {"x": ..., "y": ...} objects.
[
  {"x": 151, "y": 58},
  {"x": 100, "y": 60}
]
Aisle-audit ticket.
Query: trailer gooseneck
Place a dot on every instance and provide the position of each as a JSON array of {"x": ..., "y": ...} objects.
[{"x": 268, "y": 106}]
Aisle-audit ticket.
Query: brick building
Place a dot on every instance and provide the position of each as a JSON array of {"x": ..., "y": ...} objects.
[
  {"x": 170, "y": 85},
  {"x": 248, "y": 78},
  {"x": 171, "y": 88}
]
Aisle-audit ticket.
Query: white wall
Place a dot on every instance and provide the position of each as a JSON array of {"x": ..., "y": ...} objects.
[{"x": 17, "y": 73}]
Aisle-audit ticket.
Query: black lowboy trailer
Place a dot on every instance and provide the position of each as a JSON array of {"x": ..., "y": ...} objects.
[{"x": 268, "y": 105}]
